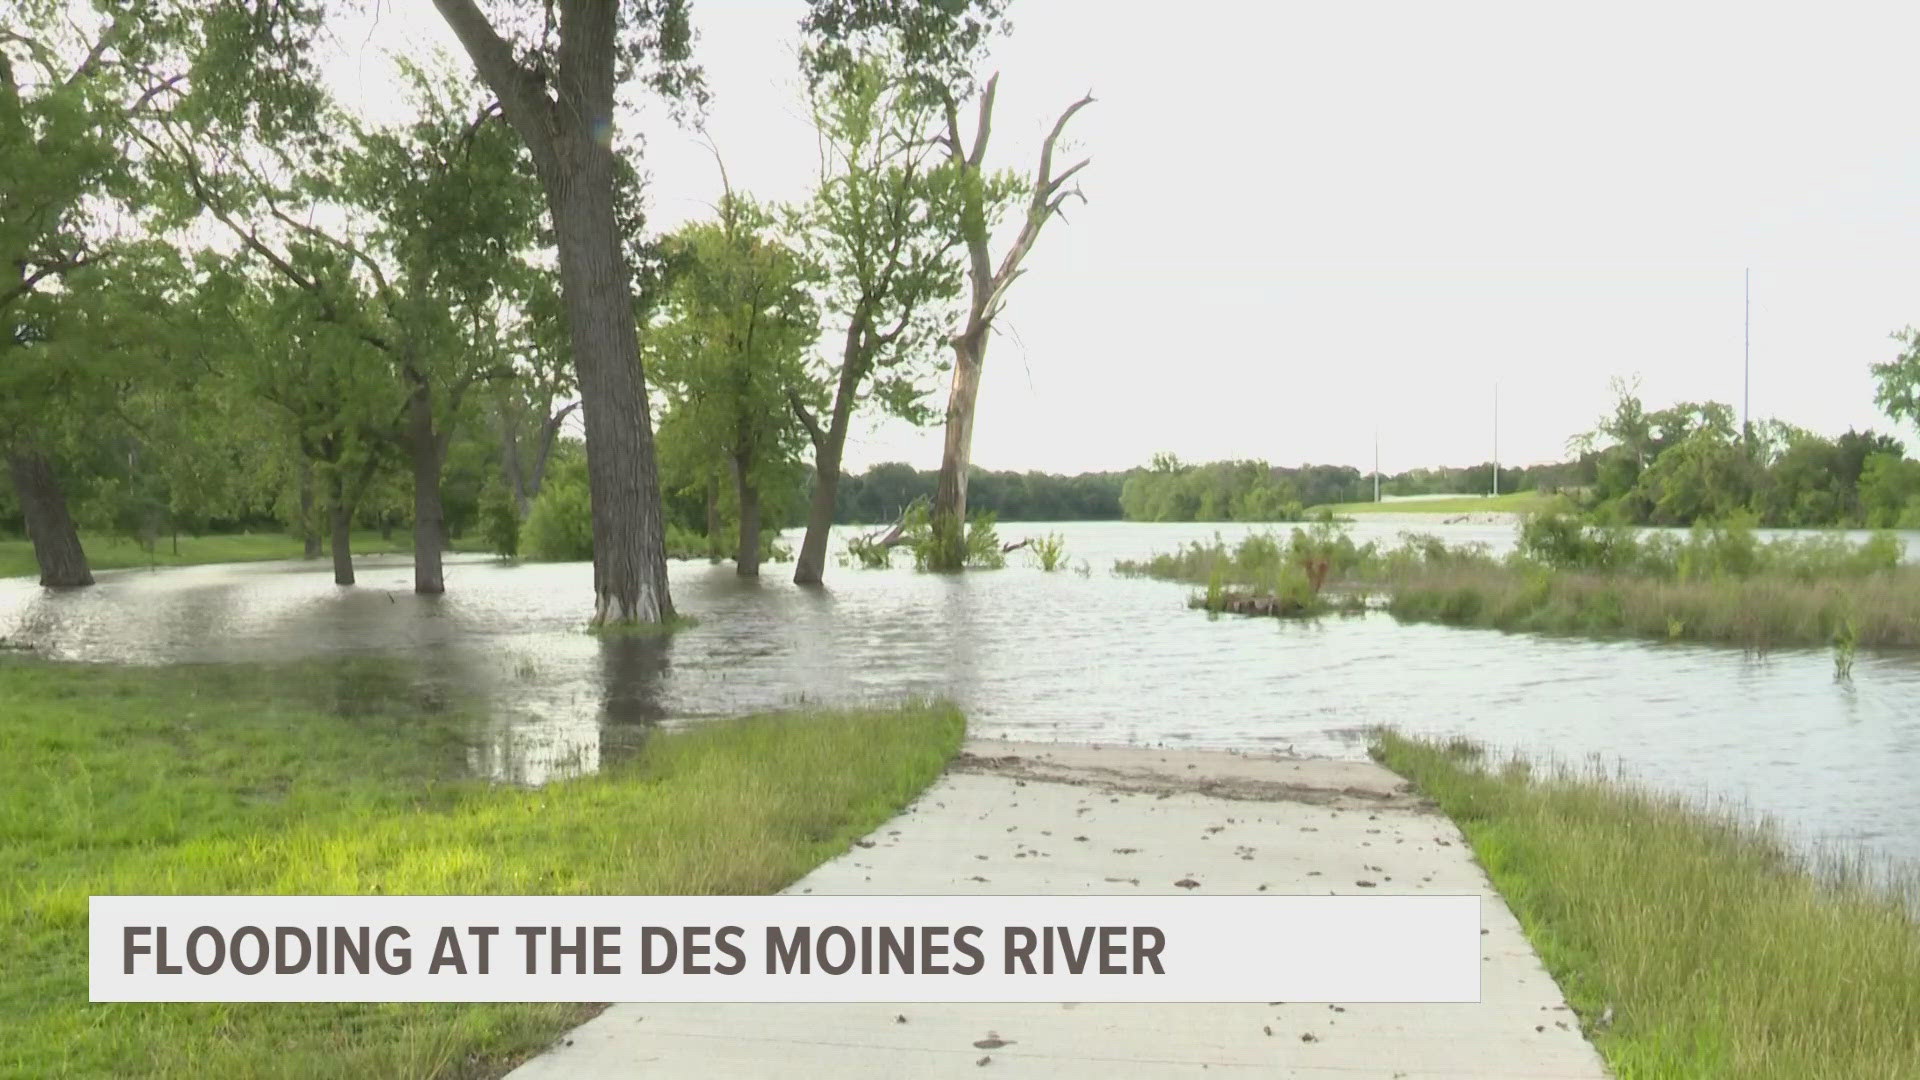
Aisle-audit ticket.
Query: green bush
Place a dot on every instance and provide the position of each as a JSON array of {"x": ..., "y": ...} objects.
[
  {"x": 1050, "y": 550},
  {"x": 559, "y": 528},
  {"x": 870, "y": 554},
  {"x": 500, "y": 522}
]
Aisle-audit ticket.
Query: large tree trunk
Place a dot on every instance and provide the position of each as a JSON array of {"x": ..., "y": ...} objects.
[
  {"x": 429, "y": 520},
  {"x": 309, "y": 535},
  {"x": 510, "y": 463},
  {"x": 56, "y": 543},
  {"x": 713, "y": 515},
  {"x": 828, "y": 449},
  {"x": 549, "y": 431},
  {"x": 342, "y": 546},
  {"x": 629, "y": 535},
  {"x": 746, "y": 558},
  {"x": 956, "y": 456},
  {"x": 568, "y": 135}
]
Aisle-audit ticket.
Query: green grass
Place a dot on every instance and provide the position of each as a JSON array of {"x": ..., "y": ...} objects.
[
  {"x": 115, "y": 552},
  {"x": 1878, "y": 610},
  {"x": 1518, "y": 502},
  {"x": 347, "y": 779},
  {"x": 1719, "y": 585},
  {"x": 1719, "y": 953}
]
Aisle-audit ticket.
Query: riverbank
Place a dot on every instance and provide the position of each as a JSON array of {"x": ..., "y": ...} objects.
[
  {"x": 1480, "y": 508},
  {"x": 347, "y": 778},
  {"x": 120, "y": 553},
  {"x": 1879, "y": 610},
  {"x": 1691, "y": 943},
  {"x": 1015, "y": 818}
]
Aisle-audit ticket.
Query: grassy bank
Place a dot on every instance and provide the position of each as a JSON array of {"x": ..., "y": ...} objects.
[
  {"x": 1719, "y": 584},
  {"x": 347, "y": 779},
  {"x": 1880, "y": 610},
  {"x": 116, "y": 552},
  {"x": 1717, "y": 953},
  {"x": 1518, "y": 502}
]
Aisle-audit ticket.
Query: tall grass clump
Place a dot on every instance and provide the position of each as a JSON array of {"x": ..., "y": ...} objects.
[
  {"x": 1692, "y": 943},
  {"x": 1718, "y": 583},
  {"x": 1050, "y": 551}
]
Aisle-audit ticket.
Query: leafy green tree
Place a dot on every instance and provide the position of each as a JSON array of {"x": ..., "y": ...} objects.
[
  {"x": 419, "y": 265},
  {"x": 880, "y": 227},
  {"x": 556, "y": 69},
  {"x": 1890, "y": 491},
  {"x": 1897, "y": 391},
  {"x": 730, "y": 350},
  {"x": 1699, "y": 469}
]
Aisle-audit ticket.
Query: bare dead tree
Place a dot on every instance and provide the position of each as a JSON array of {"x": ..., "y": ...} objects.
[{"x": 1047, "y": 195}]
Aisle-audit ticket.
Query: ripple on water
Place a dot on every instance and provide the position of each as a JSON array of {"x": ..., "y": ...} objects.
[{"x": 1048, "y": 656}]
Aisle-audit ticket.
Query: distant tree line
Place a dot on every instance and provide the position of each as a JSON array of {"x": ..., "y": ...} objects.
[{"x": 884, "y": 490}]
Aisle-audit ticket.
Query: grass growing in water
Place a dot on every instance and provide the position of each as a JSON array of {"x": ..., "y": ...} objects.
[
  {"x": 1263, "y": 574},
  {"x": 1717, "y": 584},
  {"x": 1050, "y": 551},
  {"x": 347, "y": 779},
  {"x": 1719, "y": 954}
]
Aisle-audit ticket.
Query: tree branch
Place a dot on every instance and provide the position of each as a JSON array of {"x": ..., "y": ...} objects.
[
  {"x": 807, "y": 421},
  {"x": 522, "y": 93},
  {"x": 46, "y": 270}
]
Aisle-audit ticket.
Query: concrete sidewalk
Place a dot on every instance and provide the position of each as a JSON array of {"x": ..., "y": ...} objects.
[{"x": 1040, "y": 818}]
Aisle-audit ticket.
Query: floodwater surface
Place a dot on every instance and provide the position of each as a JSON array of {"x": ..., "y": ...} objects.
[{"x": 1077, "y": 655}]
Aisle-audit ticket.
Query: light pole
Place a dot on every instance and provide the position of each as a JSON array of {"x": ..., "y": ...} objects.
[{"x": 1496, "y": 440}]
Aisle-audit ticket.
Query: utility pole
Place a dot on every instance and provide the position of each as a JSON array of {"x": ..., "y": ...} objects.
[
  {"x": 1746, "y": 365},
  {"x": 1376, "y": 464},
  {"x": 1496, "y": 440}
]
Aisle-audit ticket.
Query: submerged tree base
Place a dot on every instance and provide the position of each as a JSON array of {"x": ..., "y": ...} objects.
[{"x": 664, "y": 628}]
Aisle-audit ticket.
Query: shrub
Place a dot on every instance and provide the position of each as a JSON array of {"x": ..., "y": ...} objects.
[
  {"x": 1050, "y": 551},
  {"x": 500, "y": 522},
  {"x": 559, "y": 528},
  {"x": 870, "y": 554}
]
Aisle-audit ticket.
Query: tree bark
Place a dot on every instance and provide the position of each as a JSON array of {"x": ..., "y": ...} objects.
[
  {"x": 828, "y": 448},
  {"x": 309, "y": 536},
  {"x": 956, "y": 456},
  {"x": 629, "y": 533},
  {"x": 746, "y": 558},
  {"x": 988, "y": 284},
  {"x": 342, "y": 546},
  {"x": 43, "y": 503},
  {"x": 549, "y": 431},
  {"x": 510, "y": 463},
  {"x": 567, "y": 137},
  {"x": 429, "y": 519},
  {"x": 713, "y": 515}
]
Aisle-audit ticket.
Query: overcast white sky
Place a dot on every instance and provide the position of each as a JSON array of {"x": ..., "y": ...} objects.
[{"x": 1311, "y": 221}]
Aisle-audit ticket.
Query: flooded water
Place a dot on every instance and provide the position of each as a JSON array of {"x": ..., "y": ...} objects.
[{"x": 1076, "y": 655}]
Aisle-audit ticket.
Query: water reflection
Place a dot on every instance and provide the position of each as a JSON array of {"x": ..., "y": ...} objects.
[
  {"x": 633, "y": 670},
  {"x": 1038, "y": 656}
]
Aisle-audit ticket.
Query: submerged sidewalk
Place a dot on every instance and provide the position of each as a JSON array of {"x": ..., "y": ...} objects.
[{"x": 1011, "y": 818}]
